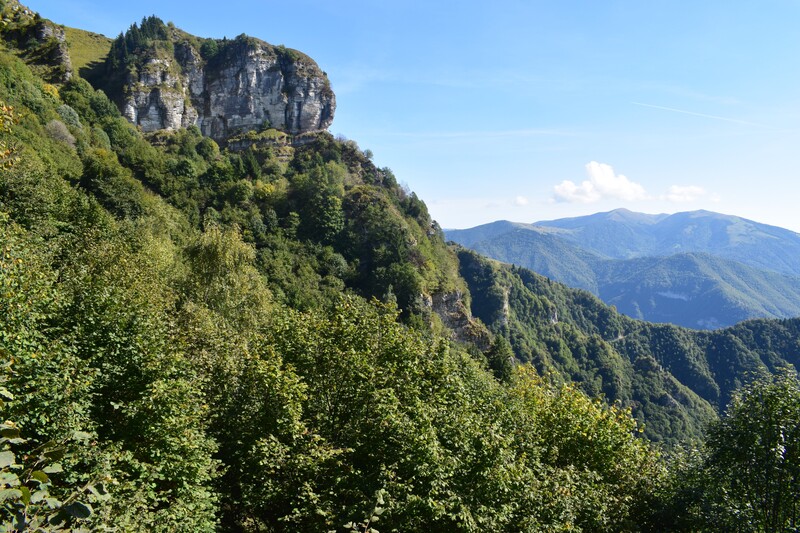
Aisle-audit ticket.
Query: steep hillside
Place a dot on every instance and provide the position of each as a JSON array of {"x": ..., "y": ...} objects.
[
  {"x": 40, "y": 42},
  {"x": 195, "y": 338},
  {"x": 87, "y": 51},
  {"x": 540, "y": 250},
  {"x": 697, "y": 290},
  {"x": 571, "y": 334},
  {"x": 674, "y": 379}
]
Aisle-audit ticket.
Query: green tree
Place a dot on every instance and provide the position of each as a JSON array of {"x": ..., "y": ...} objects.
[
  {"x": 222, "y": 276},
  {"x": 746, "y": 477},
  {"x": 500, "y": 357},
  {"x": 753, "y": 462}
]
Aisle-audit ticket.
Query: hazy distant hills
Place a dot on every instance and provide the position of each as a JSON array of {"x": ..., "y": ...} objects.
[{"x": 697, "y": 269}]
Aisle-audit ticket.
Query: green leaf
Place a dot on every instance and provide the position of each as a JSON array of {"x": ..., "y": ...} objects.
[
  {"x": 5, "y": 394},
  {"x": 99, "y": 492},
  {"x": 40, "y": 476},
  {"x": 7, "y": 458},
  {"x": 9, "y": 478},
  {"x": 39, "y": 496},
  {"x": 10, "y": 432},
  {"x": 78, "y": 510},
  {"x": 26, "y": 494},
  {"x": 55, "y": 454},
  {"x": 81, "y": 435},
  {"x": 53, "y": 468},
  {"x": 10, "y": 494}
]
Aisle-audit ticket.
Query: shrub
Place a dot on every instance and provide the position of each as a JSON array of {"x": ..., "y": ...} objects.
[{"x": 59, "y": 131}]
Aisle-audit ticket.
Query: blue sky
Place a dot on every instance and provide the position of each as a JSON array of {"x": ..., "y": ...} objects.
[{"x": 534, "y": 110}]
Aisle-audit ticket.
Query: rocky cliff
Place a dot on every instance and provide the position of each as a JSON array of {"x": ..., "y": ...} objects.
[
  {"x": 38, "y": 41},
  {"x": 223, "y": 86}
]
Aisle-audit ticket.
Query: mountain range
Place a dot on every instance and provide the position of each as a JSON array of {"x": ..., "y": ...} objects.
[{"x": 696, "y": 269}]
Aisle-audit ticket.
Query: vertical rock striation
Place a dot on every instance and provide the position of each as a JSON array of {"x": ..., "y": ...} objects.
[{"x": 246, "y": 84}]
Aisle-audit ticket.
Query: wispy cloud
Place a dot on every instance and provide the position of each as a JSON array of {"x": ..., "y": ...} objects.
[
  {"x": 694, "y": 114},
  {"x": 521, "y": 201},
  {"x": 603, "y": 183},
  {"x": 355, "y": 77},
  {"x": 469, "y": 134},
  {"x": 688, "y": 93},
  {"x": 684, "y": 193}
]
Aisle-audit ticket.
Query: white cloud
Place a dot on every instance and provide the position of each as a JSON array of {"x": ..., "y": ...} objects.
[
  {"x": 602, "y": 183},
  {"x": 521, "y": 200},
  {"x": 684, "y": 193}
]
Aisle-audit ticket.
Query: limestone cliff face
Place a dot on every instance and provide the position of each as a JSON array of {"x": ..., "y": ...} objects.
[
  {"x": 58, "y": 52},
  {"x": 247, "y": 84}
]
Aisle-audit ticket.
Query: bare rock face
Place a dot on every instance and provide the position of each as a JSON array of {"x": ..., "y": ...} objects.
[
  {"x": 456, "y": 316},
  {"x": 246, "y": 85},
  {"x": 157, "y": 99},
  {"x": 58, "y": 52}
]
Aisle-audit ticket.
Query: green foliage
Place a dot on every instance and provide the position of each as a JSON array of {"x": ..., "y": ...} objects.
[
  {"x": 386, "y": 411},
  {"x": 112, "y": 184},
  {"x": 500, "y": 357},
  {"x": 570, "y": 334},
  {"x": 27, "y": 489},
  {"x": 136, "y": 38},
  {"x": 590, "y": 451},
  {"x": 222, "y": 276},
  {"x": 91, "y": 105},
  {"x": 209, "y": 49},
  {"x": 199, "y": 330},
  {"x": 754, "y": 456},
  {"x": 746, "y": 477}
]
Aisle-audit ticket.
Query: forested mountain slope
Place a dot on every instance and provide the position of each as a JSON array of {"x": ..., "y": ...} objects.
[
  {"x": 674, "y": 378},
  {"x": 188, "y": 344},
  {"x": 269, "y": 334}
]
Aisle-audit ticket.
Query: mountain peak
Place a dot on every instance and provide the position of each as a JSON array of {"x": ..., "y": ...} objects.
[{"x": 164, "y": 78}]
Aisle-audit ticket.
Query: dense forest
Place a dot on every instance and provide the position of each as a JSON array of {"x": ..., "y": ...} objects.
[
  {"x": 676, "y": 380},
  {"x": 272, "y": 335}
]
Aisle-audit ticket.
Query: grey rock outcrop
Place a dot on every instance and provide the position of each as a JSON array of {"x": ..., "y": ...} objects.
[
  {"x": 247, "y": 85},
  {"x": 58, "y": 53}
]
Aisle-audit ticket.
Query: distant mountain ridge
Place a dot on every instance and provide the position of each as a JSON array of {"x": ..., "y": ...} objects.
[
  {"x": 697, "y": 269},
  {"x": 624, "y": 234}
]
